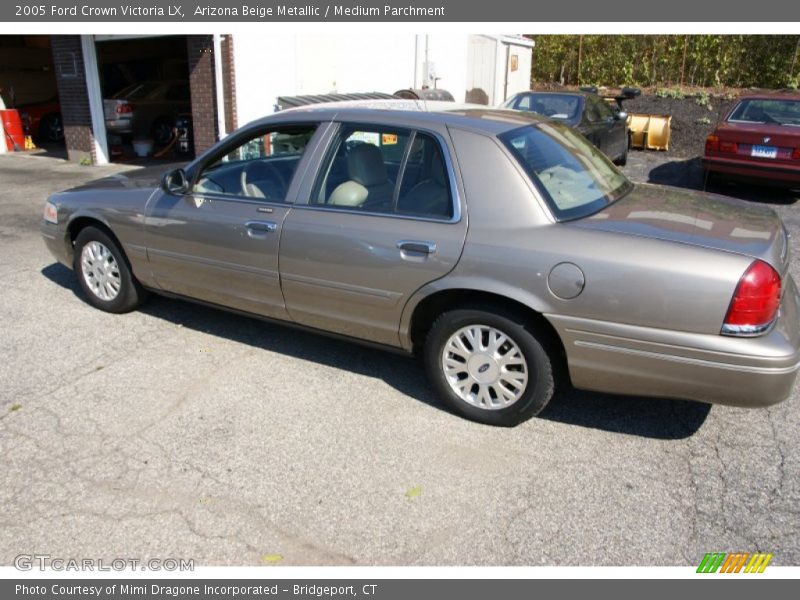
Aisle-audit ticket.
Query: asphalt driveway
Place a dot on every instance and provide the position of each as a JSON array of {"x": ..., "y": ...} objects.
[{"x": 183, "y": 432}]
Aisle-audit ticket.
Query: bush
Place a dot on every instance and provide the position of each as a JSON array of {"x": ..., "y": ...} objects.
[{"x": 668, "y": 61}]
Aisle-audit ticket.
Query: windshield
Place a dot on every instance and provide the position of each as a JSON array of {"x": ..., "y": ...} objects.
[
  {"x": 575, "y": 178},
  {"x": 768, "y": 110},
  {"x": 555, "y": 106}
]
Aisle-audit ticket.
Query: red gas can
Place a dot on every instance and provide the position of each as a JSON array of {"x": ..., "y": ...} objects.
[{"x": 12, "y": 125}]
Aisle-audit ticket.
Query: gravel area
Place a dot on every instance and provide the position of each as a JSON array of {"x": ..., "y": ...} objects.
[{"x": 693, "y": 118}]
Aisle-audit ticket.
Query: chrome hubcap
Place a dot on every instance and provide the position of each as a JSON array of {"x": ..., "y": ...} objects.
[
  {"x": 100, "y": 271},
  {"x": 485, "y": 367}
]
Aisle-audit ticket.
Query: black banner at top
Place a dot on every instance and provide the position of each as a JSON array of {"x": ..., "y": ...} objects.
[{"x": 419, "y": 11}]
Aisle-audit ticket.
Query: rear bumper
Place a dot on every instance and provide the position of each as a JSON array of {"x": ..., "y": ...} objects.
[
  {"x": 632, "y": 360},
  {"x": 751, "y": 170},
  {"x": 119, "y": 126}
]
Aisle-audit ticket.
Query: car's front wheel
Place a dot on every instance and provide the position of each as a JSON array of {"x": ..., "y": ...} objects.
[
  {"x": 489, "y": 365},
  {"x": 622, "y": 159},
  {"x": 104, "y": 274}
]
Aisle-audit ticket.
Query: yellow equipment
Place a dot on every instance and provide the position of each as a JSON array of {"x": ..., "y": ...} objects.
[{"x": 649, "y": 131}]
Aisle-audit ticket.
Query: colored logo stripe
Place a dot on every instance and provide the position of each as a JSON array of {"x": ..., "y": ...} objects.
[
  {"x": 711, "y": 562},
  {"x": 733, "y": 563},
  {"x": 758, "y": 563}
]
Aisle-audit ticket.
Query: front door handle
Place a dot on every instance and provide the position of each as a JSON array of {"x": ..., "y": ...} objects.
[
  {"x": 260, "y": 228},
  {"x": 416, "y": 247},
  {"x": 266, "y": 226}
]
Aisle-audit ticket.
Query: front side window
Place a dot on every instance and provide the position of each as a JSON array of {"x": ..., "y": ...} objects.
[
  {"x": 575, "y": 178},
  {"x": 260, "y": 168},
  {"x": 592, "y": 111},
  {"x": 385, "y": 170},
  {"x": 604, "y": 110}
]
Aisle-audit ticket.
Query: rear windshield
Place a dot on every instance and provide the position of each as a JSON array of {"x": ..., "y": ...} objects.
[
  {"x": 138, "y": 91},
  {"x": 575, "y": 178},
  {"x": 555, "y": 106},
  {"x": 767, "y": 110}
]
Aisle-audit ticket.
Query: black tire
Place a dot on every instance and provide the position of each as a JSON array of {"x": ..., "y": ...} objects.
[
  {"x": 51, "y": 129},
  {"x": 533, "y": 346},
  {"x": 161, "y": 131},
  {"x": 130, "y": 293},
  {"x": 623, "y": 160},
  {"x": 713, "y": 182}
]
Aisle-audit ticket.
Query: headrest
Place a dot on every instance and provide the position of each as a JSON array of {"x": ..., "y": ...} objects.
[{"x": 365, "y": 165}]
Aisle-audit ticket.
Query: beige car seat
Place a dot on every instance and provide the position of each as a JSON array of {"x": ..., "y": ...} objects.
[{"x": 369, "y": 181}]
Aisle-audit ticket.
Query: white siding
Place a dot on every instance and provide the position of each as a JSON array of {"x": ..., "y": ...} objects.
[
  {"x": 269, "y": 66},
  {"x": 481, "y": 69}
]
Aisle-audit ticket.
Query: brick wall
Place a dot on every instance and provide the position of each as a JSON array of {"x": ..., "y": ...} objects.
[
  {"x": 201, "y": 82},
  {"x": 71, "y": 81},
  {"x": 229, "y": 84}
]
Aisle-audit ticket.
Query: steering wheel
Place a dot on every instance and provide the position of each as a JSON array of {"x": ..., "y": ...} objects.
[{"x": 262, "y": 179}]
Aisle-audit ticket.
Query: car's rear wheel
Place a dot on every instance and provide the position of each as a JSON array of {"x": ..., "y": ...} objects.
[
  {"x": 489, "y": 365},
  {"x": 104, "y": 274},
  {"x": 51, "y": 128},
  {"x": 162, "y": 131}
]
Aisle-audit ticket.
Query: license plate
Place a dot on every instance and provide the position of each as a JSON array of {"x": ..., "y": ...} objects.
[{"x": 764, "y": 151}]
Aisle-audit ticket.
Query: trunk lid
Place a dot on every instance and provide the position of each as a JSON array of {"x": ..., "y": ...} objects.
[
  {"x": 764, "y": 142},
  {"x": 110, "y": 109},
  {"x": 697, "y": 218}
]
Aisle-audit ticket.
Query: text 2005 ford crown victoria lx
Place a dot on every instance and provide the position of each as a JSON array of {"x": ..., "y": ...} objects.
[{"x": 502, "y": 247}]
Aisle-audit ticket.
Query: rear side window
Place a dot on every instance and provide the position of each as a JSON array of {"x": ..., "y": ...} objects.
[
  {"x": 575, "y": 178},
  {"x": 385, "y": 170}
]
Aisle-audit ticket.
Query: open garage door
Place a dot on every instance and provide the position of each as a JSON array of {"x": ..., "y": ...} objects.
[{"x": 144, "y": 83}]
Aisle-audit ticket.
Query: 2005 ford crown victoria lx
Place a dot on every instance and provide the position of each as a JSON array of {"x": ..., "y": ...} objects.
[{"x": 503, "y": 247}]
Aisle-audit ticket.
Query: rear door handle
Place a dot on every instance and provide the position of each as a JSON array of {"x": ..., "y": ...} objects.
[
  {"x": 260, "y": 228},
  {"x": 416, "y": 247}
]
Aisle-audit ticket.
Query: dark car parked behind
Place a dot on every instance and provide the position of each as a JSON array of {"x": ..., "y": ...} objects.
[{"x": 593, "y": 117}]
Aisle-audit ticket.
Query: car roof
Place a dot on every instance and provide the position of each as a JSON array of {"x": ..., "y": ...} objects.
[
  {"x": 557, "y": 93},
  {"x": 777, "y": 95},
  {"x": 397, "y": 112}
]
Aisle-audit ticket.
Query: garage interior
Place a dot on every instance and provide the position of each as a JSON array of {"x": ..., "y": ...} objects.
[
  {"x": 144, "y": 83},
  {"x": 28, "y": 84},
  {"x": 96, "y": 98}
]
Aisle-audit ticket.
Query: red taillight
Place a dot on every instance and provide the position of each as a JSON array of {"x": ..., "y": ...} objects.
[
  {"x": 755, "y": 302},
  {"x": 712, "y": 143},
  {"x": 796, "y": 154},
  {"x": 730, "y": 147},
  {"x": 123, "y": 109}
]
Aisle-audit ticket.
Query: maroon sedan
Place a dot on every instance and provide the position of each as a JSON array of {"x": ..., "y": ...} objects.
[{"x": 759, "y": 139}]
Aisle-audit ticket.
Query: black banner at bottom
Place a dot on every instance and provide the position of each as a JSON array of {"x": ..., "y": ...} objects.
[{"x": 382, "y": 589}]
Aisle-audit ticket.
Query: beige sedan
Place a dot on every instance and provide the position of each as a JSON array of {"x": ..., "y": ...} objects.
[{"x": 505, "y": 249}]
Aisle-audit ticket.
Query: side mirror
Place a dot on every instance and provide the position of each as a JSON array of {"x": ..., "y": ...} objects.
[
  {"x": 621, "y": 115},
  {"x": 175, "y": 182}
]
